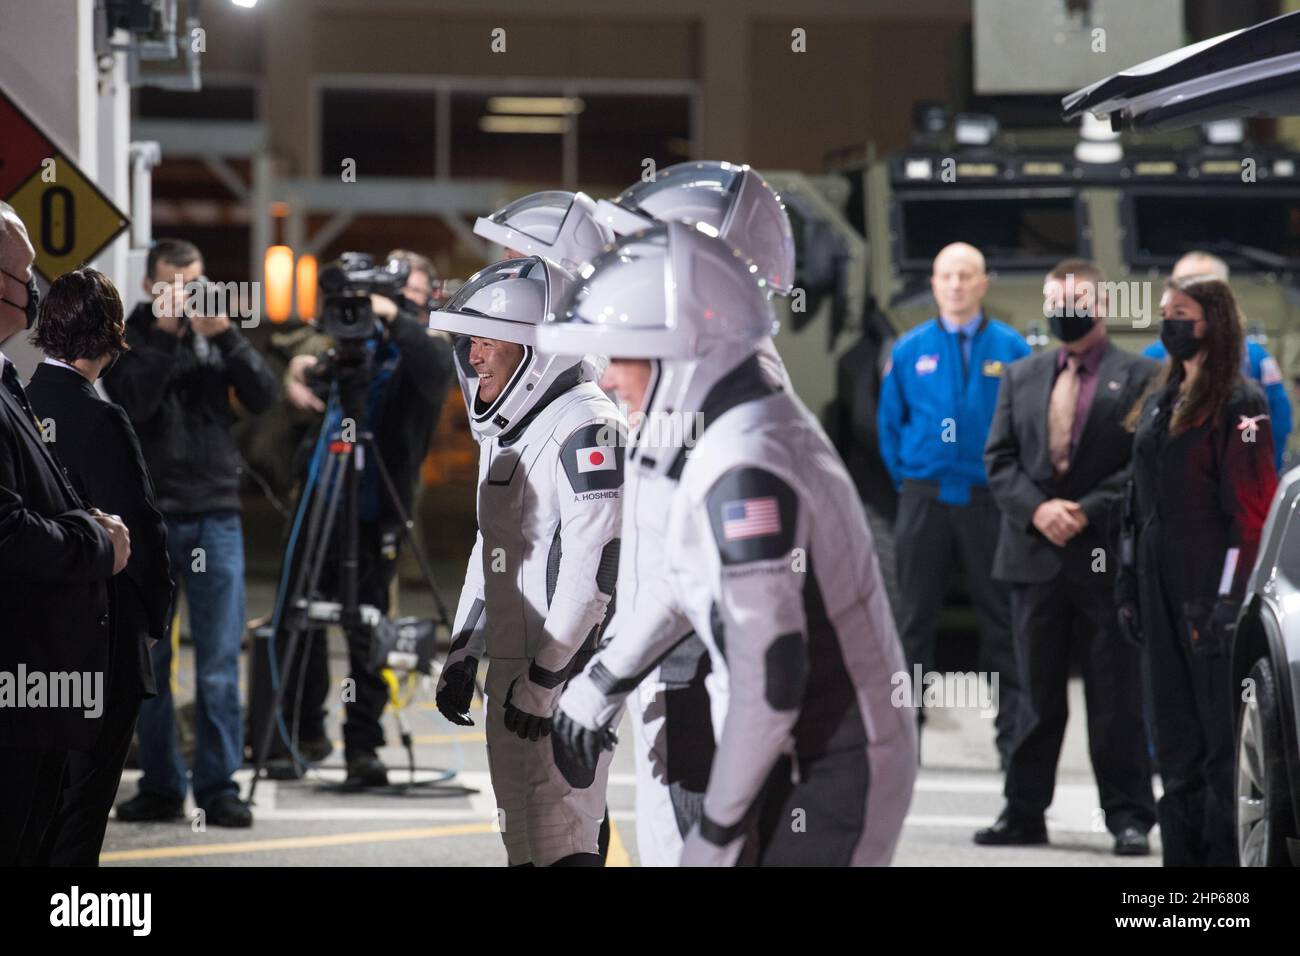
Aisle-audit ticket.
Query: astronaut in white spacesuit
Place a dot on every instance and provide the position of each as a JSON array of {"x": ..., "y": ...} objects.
[
  {"x": 544, "y": 565},
  {"x": 678, "y": 703},
  {"x": 766, "y": 556}
]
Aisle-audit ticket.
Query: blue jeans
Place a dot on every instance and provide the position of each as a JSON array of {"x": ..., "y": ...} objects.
[{"x": 214, "y": 586}]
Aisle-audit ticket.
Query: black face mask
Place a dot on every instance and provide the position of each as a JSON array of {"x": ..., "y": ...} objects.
[
  {"x": 1179, "y": 338},
  {"x": 33, "y": 298},
  {"x": 1070, "y": 328}
]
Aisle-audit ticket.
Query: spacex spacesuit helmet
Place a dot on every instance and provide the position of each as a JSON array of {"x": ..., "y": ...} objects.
[
  {"x": 678, "y": 296},
  {"x": 507, "y": 301},
  {"x": 559, "y": 225},
  {"x": 733, "y": 200}
]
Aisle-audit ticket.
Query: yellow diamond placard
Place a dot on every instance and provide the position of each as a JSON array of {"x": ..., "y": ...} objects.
[{"x": 68, "y": 219}]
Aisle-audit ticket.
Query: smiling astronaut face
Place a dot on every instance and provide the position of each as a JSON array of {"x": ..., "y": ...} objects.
[{"x": 494, "y": 361}]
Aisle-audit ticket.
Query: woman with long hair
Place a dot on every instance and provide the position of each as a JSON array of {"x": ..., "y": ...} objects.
[
  {"x": 82, "y": 332},
  {"x": 1204, "y": 477}
]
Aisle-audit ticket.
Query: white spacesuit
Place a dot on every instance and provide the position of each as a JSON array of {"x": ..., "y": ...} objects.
[
  {"x": 544, "y": 564},
  {"x": 765, "y": 555},
  {"x": 674, "y": 706}
]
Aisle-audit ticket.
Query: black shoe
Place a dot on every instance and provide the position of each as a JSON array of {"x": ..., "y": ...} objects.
[
  {"x": 282, "y": 768},
  {"x": 1132, "y": 842},
  {"x": 146, "y": 806},
  {"x": 366, "y": 770},
  {"x": 1009, "y": 831},
  {"x": 228, "y": 810},
  {"x": 315, "y": 751}
]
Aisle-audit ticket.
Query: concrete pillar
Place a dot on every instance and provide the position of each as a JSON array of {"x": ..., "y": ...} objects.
[
  {"x": 114, "y": 178},
  {"x": 287, "y": 105},
  {"x": 724, "y": 77}
]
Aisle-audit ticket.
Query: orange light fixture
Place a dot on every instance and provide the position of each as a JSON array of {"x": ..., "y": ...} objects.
[
  {"x": 306, "y": 273},
  {"x": 278, "y": 282}
]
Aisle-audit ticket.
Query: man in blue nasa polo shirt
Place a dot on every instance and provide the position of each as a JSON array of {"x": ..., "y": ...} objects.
[
  {"x": 1257, "y": 364},
  {"x": 936, "y": 404}
]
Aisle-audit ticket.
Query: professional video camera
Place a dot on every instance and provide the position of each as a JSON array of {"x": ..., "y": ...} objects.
[
  {"x": 348, "y": 317},
  {"x": 348, "y": 284}
]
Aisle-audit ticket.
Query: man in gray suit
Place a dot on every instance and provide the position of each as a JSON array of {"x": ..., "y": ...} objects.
[{"x": 1058, "y": 461}]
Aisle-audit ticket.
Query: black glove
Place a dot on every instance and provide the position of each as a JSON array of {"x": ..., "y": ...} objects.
[
  {"x": 1223, "y": 621},
  {"x": 456, "y": 691},
  {"x": 527, "y": 726},
  {"x": 1210, "y": 628},
  {"x": 577, "y": 750}
]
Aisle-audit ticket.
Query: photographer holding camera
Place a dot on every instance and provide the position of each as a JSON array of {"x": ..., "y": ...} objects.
[
  {"x": 175, "y": 385},
  {"x": 412, "y": 370}
]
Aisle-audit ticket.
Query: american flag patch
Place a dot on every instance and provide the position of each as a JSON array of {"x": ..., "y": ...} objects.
[{"x": 750, "y": 518}]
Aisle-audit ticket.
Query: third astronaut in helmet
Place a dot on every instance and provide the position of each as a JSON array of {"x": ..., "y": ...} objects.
[
  {"x": 543, "y": 567},
  {"x": 679, "y": 702},
  {"x": 766, "y": 556}
]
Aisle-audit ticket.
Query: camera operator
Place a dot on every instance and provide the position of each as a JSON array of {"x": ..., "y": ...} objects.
[
  {"x": 175, "y": 385},
  {"x": 412, "y": 371}
]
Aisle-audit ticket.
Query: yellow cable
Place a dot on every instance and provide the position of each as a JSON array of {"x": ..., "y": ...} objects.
[{"x": 395, "y": 697}]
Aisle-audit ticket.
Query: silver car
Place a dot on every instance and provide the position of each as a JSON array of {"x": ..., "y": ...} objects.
[{"x": 1266, "y": 667}]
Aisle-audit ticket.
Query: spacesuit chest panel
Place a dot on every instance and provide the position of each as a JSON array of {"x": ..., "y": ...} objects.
[
  {"x": 518, "y": 515},
  {"x": 502, "y": 493}
]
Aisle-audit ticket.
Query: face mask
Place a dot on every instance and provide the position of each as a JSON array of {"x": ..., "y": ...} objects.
[
  {"x": 33, "y": 298},
  {"x": 1179, "y": 338},
  {"x": 1070, "y": 328}
]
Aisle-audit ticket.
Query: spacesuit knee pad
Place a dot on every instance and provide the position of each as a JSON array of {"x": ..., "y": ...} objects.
[{"x": 563, "y": 820}]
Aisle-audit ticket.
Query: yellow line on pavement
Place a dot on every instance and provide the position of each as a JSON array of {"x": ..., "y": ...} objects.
[
  {"x": 617, "y": 855},
  {"x": 297, "y": 843}
]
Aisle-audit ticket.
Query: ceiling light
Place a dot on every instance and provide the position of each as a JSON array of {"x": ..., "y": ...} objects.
[
  {"x": 536, "y": 105},
  {"x": 523, "y": 124}
]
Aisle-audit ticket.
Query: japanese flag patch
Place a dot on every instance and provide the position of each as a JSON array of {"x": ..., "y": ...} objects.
[{"x": 595, "y": 458}]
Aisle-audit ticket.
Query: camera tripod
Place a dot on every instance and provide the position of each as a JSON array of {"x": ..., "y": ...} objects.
[{"x": 332, "y": 493}]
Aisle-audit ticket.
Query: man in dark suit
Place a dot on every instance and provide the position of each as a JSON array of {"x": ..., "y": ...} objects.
[
  {"x": 56, "y": 562},
  {"x": 1058, "y": 459},
  {"x": 81, "y": 332}
]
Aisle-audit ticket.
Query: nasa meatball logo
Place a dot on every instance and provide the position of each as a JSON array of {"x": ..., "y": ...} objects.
[
  {"x": 927, "y": 365},
  {"x": 596, "y": 459}
]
